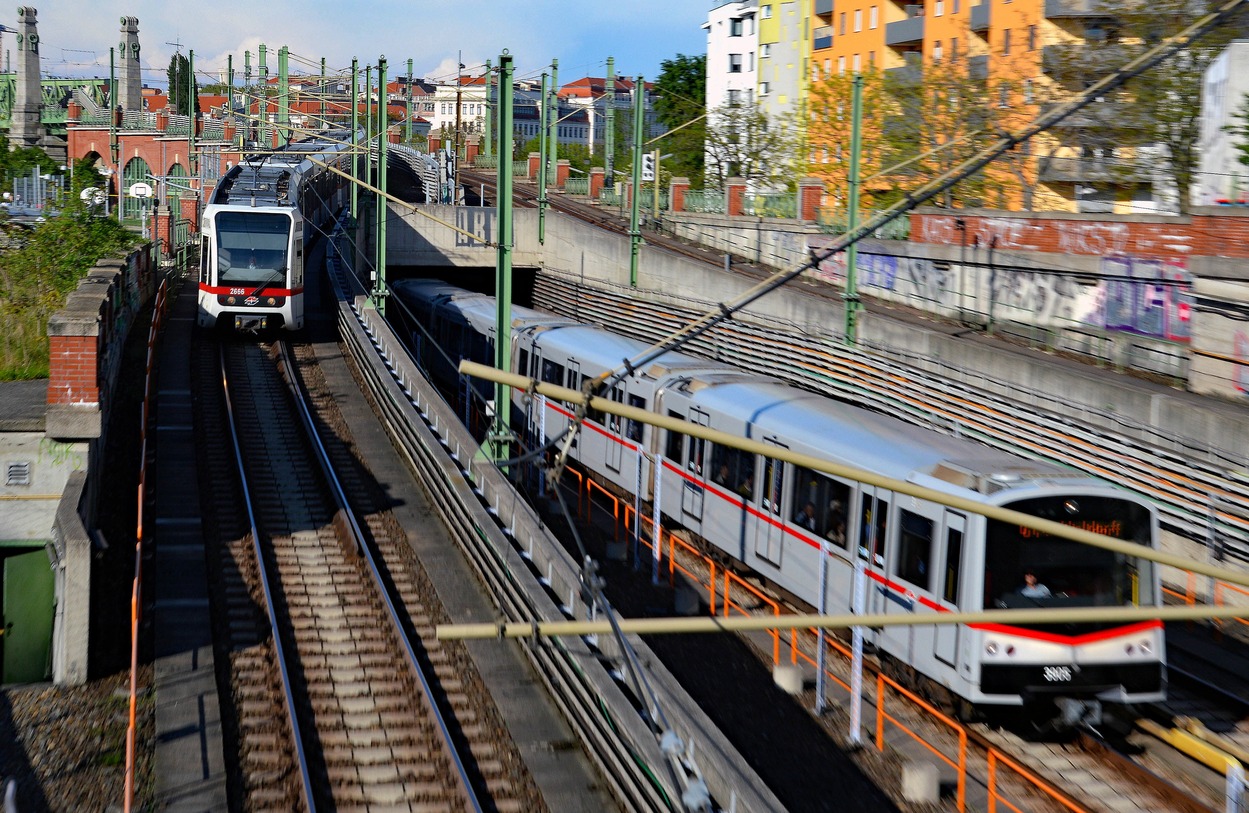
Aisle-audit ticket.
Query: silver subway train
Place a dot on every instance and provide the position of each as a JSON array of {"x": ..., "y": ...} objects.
[
  {"x": 922, "y": 558},
  {"x": 253, "y": 232}
]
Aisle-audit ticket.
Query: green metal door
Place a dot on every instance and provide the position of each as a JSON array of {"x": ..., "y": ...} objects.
[{"x": 29, "y": 592}]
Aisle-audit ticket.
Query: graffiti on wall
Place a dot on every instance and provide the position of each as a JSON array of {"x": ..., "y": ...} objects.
[{"x": 1146, "y": 296}]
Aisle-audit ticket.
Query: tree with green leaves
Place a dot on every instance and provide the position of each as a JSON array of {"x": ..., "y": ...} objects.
[
  {"x": 681, "y": 102},
  {"x": 743, "y": 142},
  {"x": 39, "y": 270},
  {"x": 183, "y": 92}
]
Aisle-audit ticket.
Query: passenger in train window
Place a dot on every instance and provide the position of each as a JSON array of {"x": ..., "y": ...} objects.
[
  {"x": 806, "y": 517},
  {"x": 722, "y": 475},
  {"x": 836, "y": 523},
  {"x": 1032, "y": 588}
]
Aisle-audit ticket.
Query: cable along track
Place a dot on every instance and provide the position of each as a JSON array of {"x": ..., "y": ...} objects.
[{"x": 332, "y": 661}]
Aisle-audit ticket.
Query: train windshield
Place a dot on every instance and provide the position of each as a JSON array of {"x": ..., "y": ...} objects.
[
  {"x": 1026, "y": 568},
  {"x": 252, "y": 248}
]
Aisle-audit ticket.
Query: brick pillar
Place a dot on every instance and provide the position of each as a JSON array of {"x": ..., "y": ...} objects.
[
  {"x": 735, "y": 196},
  {"x": 164, "y": 226},
  {"x": 628, "y": 194},
  {"x": 435, "y": 143},
  {"x": 810, "y": 193},
  {"x": 562, "y": 169},
  {"x": 534, "y": 160},
  {"x": 228, "y": 132},
  {"x": 74, "y": 111},
  {"x": 162, "y": 122},
  {"x": 676, "y": 194},
  {"x": 596, "y": 182},
  {"x": 472, "y": 148},
  {"x": 190, "y": 212}
]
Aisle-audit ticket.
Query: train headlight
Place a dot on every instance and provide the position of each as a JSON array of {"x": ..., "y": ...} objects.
[
  {"x": 272, "y": 302},
  {"x": 1147, "y": 647},
  {"x": 991, "y": 648},
  {"x": 230, "y": 300}
]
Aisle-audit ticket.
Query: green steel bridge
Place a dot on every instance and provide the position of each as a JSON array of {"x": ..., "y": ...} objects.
[{"x": 55, "y": 95}]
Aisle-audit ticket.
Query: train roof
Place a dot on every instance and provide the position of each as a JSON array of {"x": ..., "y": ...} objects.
[
  {"x": 272, "y": 179},
  {"x": 858, "y": 437}
]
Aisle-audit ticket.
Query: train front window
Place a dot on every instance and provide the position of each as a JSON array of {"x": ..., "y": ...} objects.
[
  {"x": 252, "y": 248},
  {"x": 1026, "y": 569}
]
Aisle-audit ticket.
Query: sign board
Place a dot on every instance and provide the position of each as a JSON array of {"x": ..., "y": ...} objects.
[{"x": 140, "y": 190}]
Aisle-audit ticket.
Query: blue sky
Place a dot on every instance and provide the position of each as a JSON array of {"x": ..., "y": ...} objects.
[{"x": 75, "y": 35}]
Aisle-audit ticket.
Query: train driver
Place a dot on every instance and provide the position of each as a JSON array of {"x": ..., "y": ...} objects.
[{"x": 1033, "y": 588}]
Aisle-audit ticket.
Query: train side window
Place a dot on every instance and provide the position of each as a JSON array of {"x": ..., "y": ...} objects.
[
  {"x": 828, "y": 499},
  {"x": 696, "y": 451},
  {"x": 773, "y": 480},
  {"x": 204, "y": 267},
  {"x": 734, "y": 470},
  {"x": 673, "y": 449},
  {"x": 865, "y": 528},
  {"x": 914, "y": 549},
  {"x": 552, "y": 372},
  {"x": 522, "y": 364},
  {"x": 953, "y": 560},
  {"x": 633, "y": 429}
]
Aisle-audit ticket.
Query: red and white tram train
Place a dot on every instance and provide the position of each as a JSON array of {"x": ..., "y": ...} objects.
[
  {"x": 254, "y": 229},
  {"x": 774, "y": 517}
]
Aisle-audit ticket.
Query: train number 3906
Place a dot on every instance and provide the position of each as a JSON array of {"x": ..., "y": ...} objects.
[{"x": 1057, "y": 674}]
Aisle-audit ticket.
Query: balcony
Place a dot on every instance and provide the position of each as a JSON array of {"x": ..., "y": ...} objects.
[
  {"x": 910, "y": 75},
  {"x": 978, "y": 68},
  {"x": 1069, "y": 63},
  {"x": 823, "y": 38},
  {"x": 980, "y": 17},
  {"x": 1068, "y": 9},
  {"x": 906, "y": 32},
  {"x": 823, "y": 8}
]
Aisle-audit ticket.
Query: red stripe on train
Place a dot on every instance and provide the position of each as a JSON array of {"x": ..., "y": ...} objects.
[{"x": 248, "y": 291}]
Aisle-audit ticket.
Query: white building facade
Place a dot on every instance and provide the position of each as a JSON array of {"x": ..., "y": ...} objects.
[{"x": 1220, "y": 175}]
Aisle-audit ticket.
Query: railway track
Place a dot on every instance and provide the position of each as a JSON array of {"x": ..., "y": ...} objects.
[{"x": 327, "y": 618}]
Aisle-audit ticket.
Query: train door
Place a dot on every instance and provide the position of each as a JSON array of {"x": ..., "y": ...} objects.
[
  {"x": 948, "y": 592},
  {"x": 537, "y": 404},
  {"x": 296, "y": 271},
  {"x": 615, "y": 430},
  {"x": 573, "y": 382},
  {"x": 695, "y": 470},
  {"x": 770, "y": 532}
]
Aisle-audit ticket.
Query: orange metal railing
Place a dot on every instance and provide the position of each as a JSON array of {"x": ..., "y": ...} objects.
[
  {"x": 882, "y": 715},
  {"x": 1220, "y": 598},
  {"x": 136, "y": 593},
  {"x": 995, "y": 796}
]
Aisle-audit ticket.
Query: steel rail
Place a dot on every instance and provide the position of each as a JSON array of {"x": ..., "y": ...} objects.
[
  {"x": 305, "y": 780},
  {"x": 362, "y": 548}
]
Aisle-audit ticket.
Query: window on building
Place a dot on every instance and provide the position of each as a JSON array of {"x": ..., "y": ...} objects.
[
  {"x": 873, "y": 18},
  {"x": 766, "y": 11},
  {"x": 750, "y": 61},
  {"x": 1003, "y": 95},
  {"x": 841, "y": 64},
  {"x": 1027, "y": 91},
  {"x": 871, "y": 59},
  {"x": 854, "y": 62},
  {"x": 842, "y": 26},
  {"x": 1005, "y": 41},
  {"x": 735, "y": 98},
  {"x": 858, "y": 20},
  {"x": 1032, "y": 34},
  {"x": 765, "y": 50},
  {"x": 939, "y": 8},
  {"x": 735, "y": 28},
  {"x": 828, "y": 67},
  {"x": 764, "y": 87},
  {"x": 936, "y": 51},
  {"x": 958, "y": 6},
  {"x": 735, "y": 63},
  {"x": 953, "y": 47}
]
